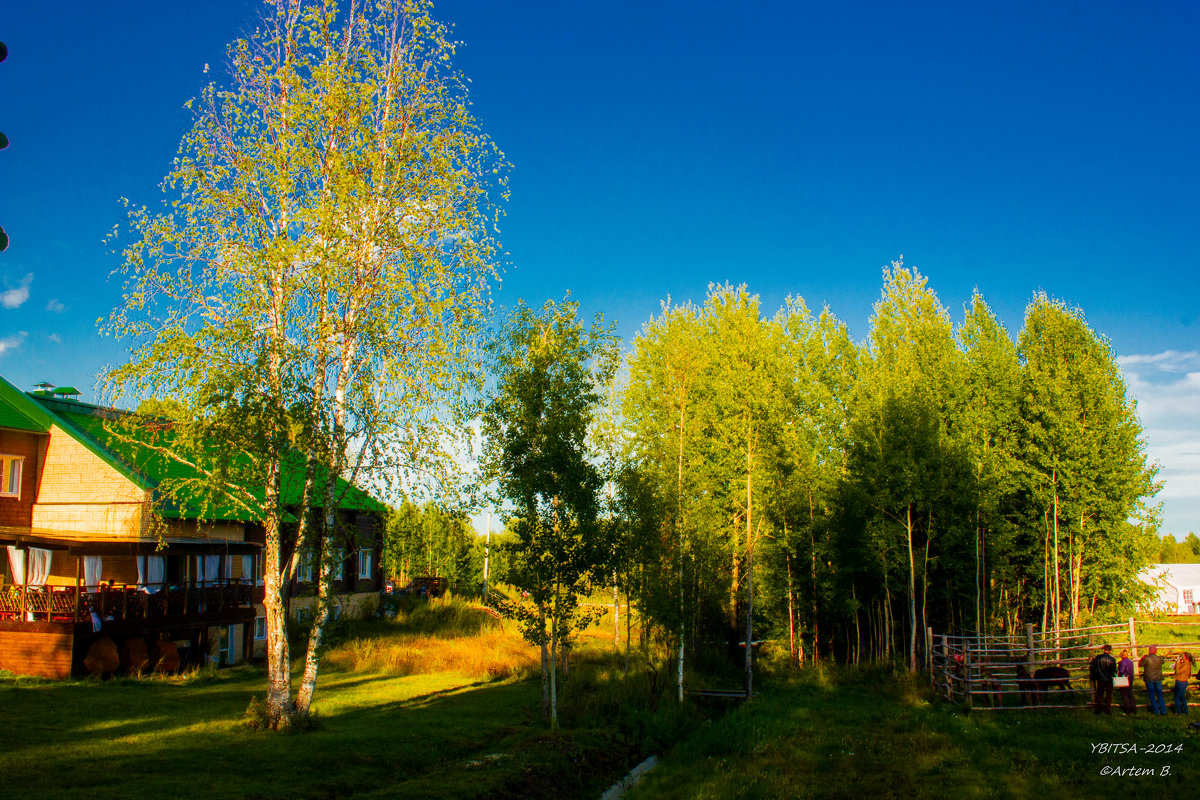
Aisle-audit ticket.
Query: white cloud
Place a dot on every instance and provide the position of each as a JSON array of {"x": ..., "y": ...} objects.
[
  {"x": 55, "y": 306},
  {"x": 1167, "y": 388},
  {"x": 12, "y": 342},
  {"x": 15, "y": 298},
  {"x": 54, "y": 337}
]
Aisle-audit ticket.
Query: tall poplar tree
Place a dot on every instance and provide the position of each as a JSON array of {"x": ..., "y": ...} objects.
[
  {"x": 665, "y": 408},
  {"x": 1084, "y": 458},
  {"x": 986, "y": 420}
]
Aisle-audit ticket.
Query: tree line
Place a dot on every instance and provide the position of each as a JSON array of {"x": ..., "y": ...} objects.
[{"x": 751, "y": 476}]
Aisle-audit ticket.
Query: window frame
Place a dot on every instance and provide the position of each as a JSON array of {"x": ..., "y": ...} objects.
[
  {"x": 304, "y": 571},
  {"x": 366, "y": 558},
  {"x": 11, "y": 467}
]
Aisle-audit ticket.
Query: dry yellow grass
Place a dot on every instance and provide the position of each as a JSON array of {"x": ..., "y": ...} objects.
[
  {"x": 442, "y": 636},
  {"x": 488, "y": 655}
]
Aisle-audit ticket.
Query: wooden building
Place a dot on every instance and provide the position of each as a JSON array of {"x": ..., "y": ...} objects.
[{"x": 92, "y": 549}]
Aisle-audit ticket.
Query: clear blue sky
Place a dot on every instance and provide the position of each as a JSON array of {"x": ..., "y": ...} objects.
[{"x": 795, "y": 147}]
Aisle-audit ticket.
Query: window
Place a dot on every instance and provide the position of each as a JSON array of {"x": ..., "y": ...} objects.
[
  {"x": 366, "y": 558},
  {"x": 304, "y": 573},
  {"x": 260, "y": 628},
  {"x": 10, "y": 475},
  {"x": 339, "y": 564},
  {"x": 227, "y": 645}
]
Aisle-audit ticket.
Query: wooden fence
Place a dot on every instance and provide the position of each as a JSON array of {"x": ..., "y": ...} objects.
[{"x": 982, "y": 671}]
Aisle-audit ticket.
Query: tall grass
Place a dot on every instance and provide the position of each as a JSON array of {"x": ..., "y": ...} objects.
[{"x": 436, "y": 636}]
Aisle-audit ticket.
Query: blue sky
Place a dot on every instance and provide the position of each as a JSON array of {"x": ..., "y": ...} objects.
[{"x": 657, "y": 147}]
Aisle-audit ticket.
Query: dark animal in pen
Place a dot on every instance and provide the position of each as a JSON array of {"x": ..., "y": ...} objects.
[
  {"x": 1041, "y": 681},
  {"x": 991, "y": 687}
]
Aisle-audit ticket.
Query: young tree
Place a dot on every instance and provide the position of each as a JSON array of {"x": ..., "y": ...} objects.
[
  {"x": 550, "y": 375},
  {"x": 325, "y": 263}
]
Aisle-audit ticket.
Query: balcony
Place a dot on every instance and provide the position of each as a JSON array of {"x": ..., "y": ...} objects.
[{"x": 127, "y": 603}]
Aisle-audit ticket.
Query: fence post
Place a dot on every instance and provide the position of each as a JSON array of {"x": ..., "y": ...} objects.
[
  {"x": 1133, "y": 638},
  {"x": 945, "y": 666},
  {"x": 929, "y": 648},
  {"x": 967, "y": 682},
  {"x": 1029, "y": 642}
]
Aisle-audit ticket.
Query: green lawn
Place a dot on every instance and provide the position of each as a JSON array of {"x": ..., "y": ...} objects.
[
  {"x": 447, "y": 731},
  {"x": 868, "y": 734},
  {"x": 415, "y": 736}
]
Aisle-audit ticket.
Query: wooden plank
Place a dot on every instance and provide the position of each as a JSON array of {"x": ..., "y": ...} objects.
[{"x": 47, "y": 653}]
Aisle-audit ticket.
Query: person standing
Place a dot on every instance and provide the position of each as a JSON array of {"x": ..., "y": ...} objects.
[
  {"x": 1125, "y": 670},
  {"x": 1102, "y": 670},
  {"x": 1184, "y": 664},
  {"x": 1151, "y": 666}
]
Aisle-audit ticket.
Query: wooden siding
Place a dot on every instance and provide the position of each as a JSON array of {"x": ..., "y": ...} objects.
[
  {"x": 18, "y": 511},
  {"x": 190, "y": 528},
  {"x": 78, "y": 492},
  {"x": 37, "y": 648}
]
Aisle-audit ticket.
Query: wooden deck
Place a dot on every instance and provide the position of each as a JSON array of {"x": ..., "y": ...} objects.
[{"x": 48, "y": 632}]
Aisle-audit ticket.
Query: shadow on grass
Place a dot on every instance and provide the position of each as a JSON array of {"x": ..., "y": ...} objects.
[{"x": 445, "y": 736}]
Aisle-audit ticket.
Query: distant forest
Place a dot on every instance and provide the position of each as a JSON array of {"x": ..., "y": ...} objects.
[{"x": 1173, "y": 552}]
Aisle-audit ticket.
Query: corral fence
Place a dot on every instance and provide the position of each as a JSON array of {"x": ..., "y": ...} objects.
[{"x": 982, "y": 671}]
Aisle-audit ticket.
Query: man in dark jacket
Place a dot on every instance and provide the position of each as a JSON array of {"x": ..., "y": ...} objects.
[{"x": 1102, "y": 670}]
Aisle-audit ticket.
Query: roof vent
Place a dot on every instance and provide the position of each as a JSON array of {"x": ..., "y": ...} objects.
[{"x": 47, "y": 389}]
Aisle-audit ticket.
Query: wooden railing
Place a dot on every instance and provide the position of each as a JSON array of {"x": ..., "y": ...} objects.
[{"x": 124, "y": 602}]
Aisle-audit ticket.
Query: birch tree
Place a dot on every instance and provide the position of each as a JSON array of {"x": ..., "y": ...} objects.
[{"x": 324, "y": 257}]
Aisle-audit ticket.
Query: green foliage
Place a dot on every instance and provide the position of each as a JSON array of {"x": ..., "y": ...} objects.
[
  {"x": 429, "y": 541},
  {"x": 929, "y": 477},
  {"x": 318, "y": 277},
  {"x": 1172, "y": 551},
  {"x": 549, "y": 377}
]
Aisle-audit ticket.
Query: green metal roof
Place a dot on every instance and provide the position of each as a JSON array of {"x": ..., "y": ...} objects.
[
  {"x": 137, "y": 452},
  {"x": 20, "y": 413}
]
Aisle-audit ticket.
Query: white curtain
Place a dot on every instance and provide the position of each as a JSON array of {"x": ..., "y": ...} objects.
[
  {"x": 208, "y": 569},
  {"x": 39, "y": 566},
  {"x": 16, "y": 565},
  {"x": 228, "y": 568},
  {"x": 150, "y": 573},
  {"x": 91, "y": 572},
  {"x": 248, "y": 575},
  {"x": 30, "y": 566}
]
